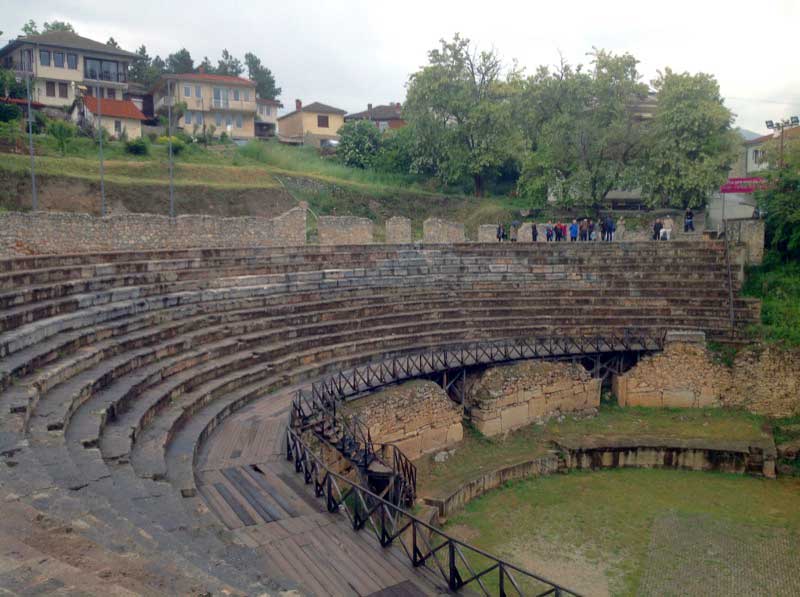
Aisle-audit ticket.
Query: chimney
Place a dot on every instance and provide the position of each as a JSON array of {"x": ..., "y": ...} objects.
[
  {"x": 369, "y": 107},
  {"x": 201, "y": 69},
  {"x": 298, "y": 105}
]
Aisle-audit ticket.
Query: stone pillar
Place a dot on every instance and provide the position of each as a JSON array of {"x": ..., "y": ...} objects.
[
  {"x": 344, "y": 230},
  {"x": 435, "y": 230},
  {"x": 398, "y": 231},
  {"x": 487, "y": 233}
]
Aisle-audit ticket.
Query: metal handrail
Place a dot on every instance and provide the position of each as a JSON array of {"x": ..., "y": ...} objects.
[{"x": 427, "y": 543}]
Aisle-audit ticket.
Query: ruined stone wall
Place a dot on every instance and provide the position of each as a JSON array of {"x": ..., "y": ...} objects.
[
  {"x": 398, "y": 231},
  {"x": 751, "y": 234},
  {"x": 435, "y": 230},
  {"x": 509, "y": 397},
  {"x": 34, "y": 233},
  {"x": 487, "y": 233},
  {"x": 344, "y": 230},
  {"x": 764, "y": 380},
  {"x": 417, "y": 416}
]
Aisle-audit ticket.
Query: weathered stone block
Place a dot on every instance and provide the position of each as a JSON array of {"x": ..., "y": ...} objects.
[
  {"x": 398, "y": 230},
  {"x": 673, "y": 398},
  {"x": 644, "y": 399},
  {"x": 514, "y": 417}
]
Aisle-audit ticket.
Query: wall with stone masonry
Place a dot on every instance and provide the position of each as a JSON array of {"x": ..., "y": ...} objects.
[
  {"x": 435, "y": 230},
  {"x": 764, "y": 380},
  {"x": 751, "y": 234},
  {"x": 417, "y": 416},
  {"x": 398, "y": 231},
  {"x": 509, "y": 397},
  {"x": 487, "y": 233},
  {"x": 344, "y": 230},
  {"x": 34, "y": 233}
]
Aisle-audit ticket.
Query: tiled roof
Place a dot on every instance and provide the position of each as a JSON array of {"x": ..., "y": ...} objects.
[
  {"x": 390, "y": 112},
  {"x": 317, "y": 108},
  {"x": 114, "y": 108},
  {"x": 67, "y": 39},
  {"x": 20, "y": 102},
  {"x": 788, "y": 133},
  {"x": 211, "y": 78}
]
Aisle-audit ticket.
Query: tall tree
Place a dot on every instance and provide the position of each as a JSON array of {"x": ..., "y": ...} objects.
[
  {"x": 229, "y": 65},
  {"x": 261, "y": 76},
  {"x": 691, "y": 144},
  {"x": 58, "y": 26},
  {"x": 30, "y": 28},
  {"x": 112, "y": 42},
  {"x": 144, "y": 70},
  {"x": 180, "y": 62},
  {"x": 586, "y": 136},
  {"x": 458, "y": 106},
  {"x": 206, "y": 67}
]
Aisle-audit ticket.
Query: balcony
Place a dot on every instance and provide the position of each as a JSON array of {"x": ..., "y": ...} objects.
[{"x": 93, "y": 75}]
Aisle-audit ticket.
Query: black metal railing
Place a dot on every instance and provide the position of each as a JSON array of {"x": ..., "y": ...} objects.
[{"x": 455, "y": 562}]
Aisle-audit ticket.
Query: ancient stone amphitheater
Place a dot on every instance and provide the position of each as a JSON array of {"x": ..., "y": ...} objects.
[{"x": 146, "y": 396}]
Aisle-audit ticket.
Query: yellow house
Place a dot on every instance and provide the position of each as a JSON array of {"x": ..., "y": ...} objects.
[
  {"x": 312, "y": 125},
  {"x": 226, "y": 103},
  {"x": 116, "y": 116},
  {"x": 60, "y": 61}
]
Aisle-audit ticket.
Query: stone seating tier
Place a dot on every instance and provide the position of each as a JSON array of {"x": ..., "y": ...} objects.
[{"x": 115, "y": 367}]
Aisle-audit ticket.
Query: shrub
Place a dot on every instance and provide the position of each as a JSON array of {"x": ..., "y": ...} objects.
[
  {"x": 9, "y": 112},
  {"x": 177, "y": 145},
  {"x": 138, "y": 146},
  {"x": 359, "y": 141},
  {"x": 62, "y": 132},
  {"x": 11, "y": 132},
  {"x": 223, "y": 138}
]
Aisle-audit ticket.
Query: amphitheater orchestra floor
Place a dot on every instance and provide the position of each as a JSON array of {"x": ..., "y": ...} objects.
[{"x": 247, "y": 482}]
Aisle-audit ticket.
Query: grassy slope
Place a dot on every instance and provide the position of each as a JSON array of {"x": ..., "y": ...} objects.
[
  {"x": 327, "y": 186},
  {"x": 778, "y": 287}
]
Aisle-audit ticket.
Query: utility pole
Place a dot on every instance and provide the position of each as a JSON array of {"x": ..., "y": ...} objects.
[
  {"x": 781, "y": 125},
  {"x": 102, "y": 165},
  {"x": 34, "y": 194},
  {"x": 169, "y": 137}
]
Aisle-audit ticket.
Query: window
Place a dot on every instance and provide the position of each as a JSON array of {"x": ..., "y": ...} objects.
[
  {"x": 44, "y": 57},
  {"x": 58, "y": 59},
  {"x": 111, "y": 94},
  {"x": 72, "y": 61},
  {"x": 268, "y": 110},
  {"x": 218, "y": 118},
  {"x": 383, "y": 125},
  {"x": 117, "y": 126},
  {"x": 50, "y": 88},
  {"x": 238, "y": 121},
  {"x": 197, "y": 92},
  {"x": 187, "y": 119},
  {"x": 62, "y": 90},
  {"x": 198, "y": 118},
  {"x": 322, "y": 121},
  {"x": 228, "y": 120},
  {"x": 246, "y": 95},
  {"x": 187, "y": 91},
  {"x": 104, "y": 70},
  {"x": 220, "y": 97},
  {"x": 236, "y": 95}
]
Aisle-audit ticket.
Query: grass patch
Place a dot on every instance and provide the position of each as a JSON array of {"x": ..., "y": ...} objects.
[
  {"x": 606, "y": 517},
  {"x": 478, "y": 454},
  {"x": 778, "y": 286}
]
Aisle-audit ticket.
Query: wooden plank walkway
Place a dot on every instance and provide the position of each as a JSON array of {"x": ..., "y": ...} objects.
[{"x": 247, "y": 482}]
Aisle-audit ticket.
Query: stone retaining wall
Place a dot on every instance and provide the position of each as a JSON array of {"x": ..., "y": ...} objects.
[
  {"x": 435, "y": 230},
  {"x": 35, "y": 233},
  {"x": 750, "y": 233},
  {"x": 508, "y": 397},
  {"x": 398, "y": 231},
  {"x": 417, "y": 416},
  {"x": 487, "y": 233},
  {"x": 764, "y": 380},
  {"x": 344, "y": 230}
]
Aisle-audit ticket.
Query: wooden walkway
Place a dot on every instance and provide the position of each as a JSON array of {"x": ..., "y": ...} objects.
[{"x": 247, "y": 482}]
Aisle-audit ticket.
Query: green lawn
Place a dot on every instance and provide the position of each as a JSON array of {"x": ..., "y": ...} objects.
[
  {"x": 595, "y": 531},
  {"x": 478, "y": 454}
]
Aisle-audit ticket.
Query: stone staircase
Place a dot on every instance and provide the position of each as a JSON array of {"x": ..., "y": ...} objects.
[{"x": 115, "y": 368}]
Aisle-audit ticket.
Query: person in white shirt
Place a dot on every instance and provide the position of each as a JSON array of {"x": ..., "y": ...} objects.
[{"x": 666, "y": 231}]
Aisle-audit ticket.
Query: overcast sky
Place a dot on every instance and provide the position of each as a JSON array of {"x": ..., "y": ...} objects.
[{"x": 352, "y": 52}]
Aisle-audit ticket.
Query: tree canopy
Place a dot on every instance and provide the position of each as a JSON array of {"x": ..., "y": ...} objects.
[
  {"x": 30, "y": 28},
  {"x": 180, "y": 62},
  {"x": 261, "y": 76}
]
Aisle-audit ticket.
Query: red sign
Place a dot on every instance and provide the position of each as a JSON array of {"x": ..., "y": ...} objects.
[{"x": 743, "y": 185}]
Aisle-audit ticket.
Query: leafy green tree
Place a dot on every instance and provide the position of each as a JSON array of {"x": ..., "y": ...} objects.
[
  {"x": 781, "y": 203},
  {"x": 396, "y": 151},
  {"x": 9, "y": 112},
  {"x": 261, "y": 76},
  {"x": 57, "y": 26},
  {"x": 582, "y": 129},
  {"x": 691, "y": 144},
  {"x": 458, "y": 107},
  {"x": 206, "y": 67},
  {"x": 62, "y": 132},
  {"x": 180, "y": 62},
  {"x": 144, "y": 70},
  {"x": 9, "y": 86},
  {"x": 112, "y": 42},
  {"x": 229, "y": 65},
  {"x": 359, "y": 141},
  {"x": 30, "y": 28}
]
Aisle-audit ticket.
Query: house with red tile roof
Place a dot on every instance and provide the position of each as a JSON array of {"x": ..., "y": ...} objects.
[
  {"x": 385, "y": 117},
  {"x": 116, "y": 116},
  {"x": 226, "y": 103},
  {"x": 755, "y": 157}
]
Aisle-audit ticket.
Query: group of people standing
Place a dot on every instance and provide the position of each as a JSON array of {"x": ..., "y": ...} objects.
[{"x": 583, "y": 230}]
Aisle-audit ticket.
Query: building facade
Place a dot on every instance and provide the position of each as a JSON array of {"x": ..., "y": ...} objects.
[
  {"x": 385, "y": 117},
  {"x": 226, "y": 103},
  {"x": 61, "y": 62},
  {"x": 118, "y": 117},
  {"x": 267, "y": 117},
  {"x": 314, "y": 124}
]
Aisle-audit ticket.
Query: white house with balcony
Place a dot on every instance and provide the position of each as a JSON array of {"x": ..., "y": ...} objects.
[
  {"x": 59, "y": 62},
  {"x": 224, "y": 102}
]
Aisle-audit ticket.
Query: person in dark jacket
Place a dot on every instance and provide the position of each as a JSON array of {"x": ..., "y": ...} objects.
[
  {"x": 534, "y": 232},
  {"x": 500, "y": 233},
  {"x": 688, "y": 220},
  {"x": 657, "y": 226},
  {"x": 549, "y": 231},
  {"x": 610, "y": 228}
]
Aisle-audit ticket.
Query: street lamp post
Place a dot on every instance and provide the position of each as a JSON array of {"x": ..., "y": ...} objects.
[
  {"x": 102, "y": 165},
  {"x": 169, "y": 137},
  {"x": 34, "y": 195}
]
